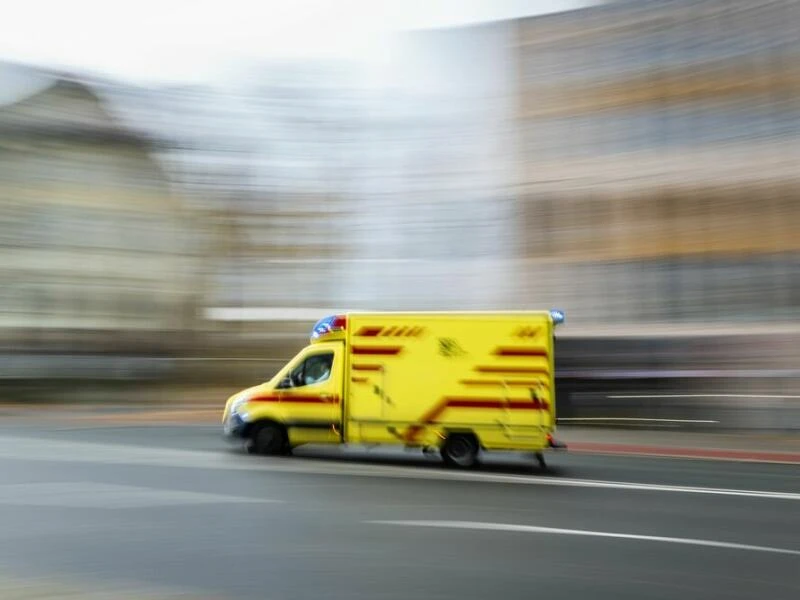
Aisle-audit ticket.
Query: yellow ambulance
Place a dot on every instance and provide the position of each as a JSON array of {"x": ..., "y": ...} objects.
[{"x": 461, "y": 383}]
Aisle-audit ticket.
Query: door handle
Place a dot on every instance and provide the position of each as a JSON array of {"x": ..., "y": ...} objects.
[{"x": 326, "y": 397}]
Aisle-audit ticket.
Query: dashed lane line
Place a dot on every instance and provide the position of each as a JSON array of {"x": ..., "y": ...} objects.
[{"x": 474, "y": 525}]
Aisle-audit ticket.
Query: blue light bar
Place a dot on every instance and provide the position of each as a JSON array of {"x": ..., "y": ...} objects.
[
  {"x": 328, "y": 325},
  {"x": 557, "y": 316}
]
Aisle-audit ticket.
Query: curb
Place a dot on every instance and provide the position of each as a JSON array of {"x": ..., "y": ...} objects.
[{"x": 760, "y": 456}]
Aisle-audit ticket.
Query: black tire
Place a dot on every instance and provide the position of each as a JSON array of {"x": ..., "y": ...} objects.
[
  {"x": 460, "y": 450},
  {"x": 267, "y": 439}
]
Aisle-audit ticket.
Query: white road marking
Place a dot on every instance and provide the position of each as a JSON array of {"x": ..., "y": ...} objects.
[
  {"x": 583, "y": 532},
  {"x": 109, "y": 496},
  {"x": 24, "y": 448},
  {"x": 636, "y": 419},
  {"x": 665, "y": 396}
]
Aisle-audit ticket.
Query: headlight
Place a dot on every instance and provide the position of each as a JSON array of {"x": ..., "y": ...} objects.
[{"x": 237, "y": 404}]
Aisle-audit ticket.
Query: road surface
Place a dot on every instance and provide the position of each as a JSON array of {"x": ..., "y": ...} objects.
[{"x": 156, "y": 512}]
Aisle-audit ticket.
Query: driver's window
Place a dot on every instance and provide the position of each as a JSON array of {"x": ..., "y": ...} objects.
[{"x": 314, "y": 369}]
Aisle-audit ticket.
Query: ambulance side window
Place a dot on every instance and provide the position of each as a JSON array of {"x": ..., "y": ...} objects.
[{"x": 314, "y": 369}]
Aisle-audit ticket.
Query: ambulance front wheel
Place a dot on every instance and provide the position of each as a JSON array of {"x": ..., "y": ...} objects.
[
  {"x": 460, "y": 450},
  {"x": 267, "y": 439}
]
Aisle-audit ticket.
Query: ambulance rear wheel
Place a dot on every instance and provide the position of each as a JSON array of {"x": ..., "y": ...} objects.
[
  {"x": 267, "y": 439},
  {"x": 460, "y": 450}
]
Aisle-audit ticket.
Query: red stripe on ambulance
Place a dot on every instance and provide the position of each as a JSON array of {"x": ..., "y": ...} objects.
[{"x": 377, "y": 350}]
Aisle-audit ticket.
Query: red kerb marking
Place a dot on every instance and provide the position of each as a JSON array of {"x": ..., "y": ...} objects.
[{"x": 707, "y": 453}]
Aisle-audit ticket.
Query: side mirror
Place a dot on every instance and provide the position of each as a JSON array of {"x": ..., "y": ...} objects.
[{"x": 285, "y": 383}]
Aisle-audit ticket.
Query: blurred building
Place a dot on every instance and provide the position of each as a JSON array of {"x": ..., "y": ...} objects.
[
  {"x": 633, "y": 163},
  {"x": 271, "y": 164},
  {"x": 659, "y": 148},
  {"x": 305, "y": 120},
  {"x": 328, "y": 184},
  {"x": 436, "y": 221},
  {"x": 98, "y": 253}
]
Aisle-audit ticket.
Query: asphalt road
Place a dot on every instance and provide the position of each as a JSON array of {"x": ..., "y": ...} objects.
[{"x": 174, "y": 510}]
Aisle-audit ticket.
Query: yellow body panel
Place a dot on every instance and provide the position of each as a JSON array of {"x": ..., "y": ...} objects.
[
  {"x": 411, "y": 378},
  {"x": 414, "y": 377}
]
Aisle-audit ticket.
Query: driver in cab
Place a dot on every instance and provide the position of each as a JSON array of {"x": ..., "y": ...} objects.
[{"x": 316, "y": 372}]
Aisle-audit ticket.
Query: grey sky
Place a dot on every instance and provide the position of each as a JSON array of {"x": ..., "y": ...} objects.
[{"x": 198, "y": 40}]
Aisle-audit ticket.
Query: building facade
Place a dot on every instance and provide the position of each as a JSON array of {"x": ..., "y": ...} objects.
[
  {"x": 98, "y": 254},
  {"x": 659, "y": 144}
]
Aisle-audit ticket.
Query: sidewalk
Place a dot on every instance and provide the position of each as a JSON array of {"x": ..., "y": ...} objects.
[
  {"x": 746, "y": 446},
  {"x": 16, "y": 587},
  {"x": 116, "y": 414}
]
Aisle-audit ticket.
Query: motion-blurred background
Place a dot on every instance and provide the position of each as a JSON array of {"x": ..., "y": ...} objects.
[{"x": 634, "y": 163}]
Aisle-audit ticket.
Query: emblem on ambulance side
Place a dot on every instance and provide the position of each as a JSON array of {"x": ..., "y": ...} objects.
[
  {"x": 450, "y": 348},
  {"x": 526, "y": 332}
]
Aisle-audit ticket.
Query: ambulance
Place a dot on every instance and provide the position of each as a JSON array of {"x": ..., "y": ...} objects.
[{"x": 457, "y": 383}]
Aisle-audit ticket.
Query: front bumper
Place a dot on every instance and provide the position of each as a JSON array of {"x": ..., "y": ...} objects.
[{"x": 233, "y": 427}]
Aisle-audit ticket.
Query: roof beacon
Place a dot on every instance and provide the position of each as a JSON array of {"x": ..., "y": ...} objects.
[{"x": 327, "y": 326}]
